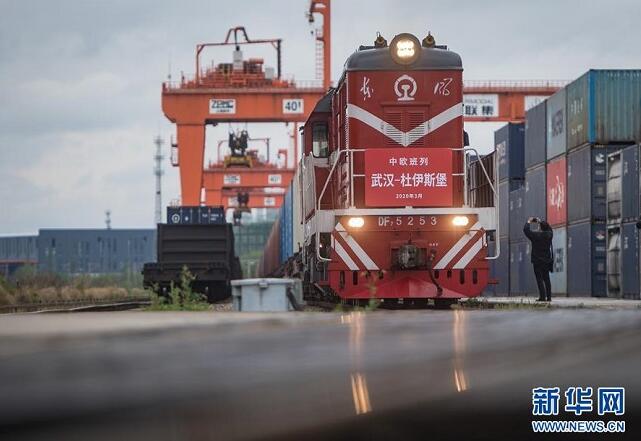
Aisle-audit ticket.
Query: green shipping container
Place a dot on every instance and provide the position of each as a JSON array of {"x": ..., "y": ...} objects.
[{"x": 603, "y": 107}]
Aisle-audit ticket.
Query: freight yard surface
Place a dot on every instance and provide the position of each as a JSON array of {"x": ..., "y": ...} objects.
[
  {"x": 300, "y": 376},
  {"x": 398, "y": 248}
]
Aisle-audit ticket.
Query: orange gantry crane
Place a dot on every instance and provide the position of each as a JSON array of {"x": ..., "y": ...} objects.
[{"x": 242, "y": 91}]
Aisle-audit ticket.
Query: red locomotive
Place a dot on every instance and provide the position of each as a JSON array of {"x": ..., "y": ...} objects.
[{"x": 384, "y": 191}]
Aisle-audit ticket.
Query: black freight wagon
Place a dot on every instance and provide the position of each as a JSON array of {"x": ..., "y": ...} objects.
[{"x": 207, "y": 250}]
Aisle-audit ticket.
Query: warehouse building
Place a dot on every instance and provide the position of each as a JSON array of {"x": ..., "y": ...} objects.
[
  {"x": 16, "y": 251},
  {"x": 96, "y": 251}
]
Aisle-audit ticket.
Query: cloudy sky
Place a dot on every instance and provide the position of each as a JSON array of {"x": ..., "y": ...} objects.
[{"x": 80, "y": 80}]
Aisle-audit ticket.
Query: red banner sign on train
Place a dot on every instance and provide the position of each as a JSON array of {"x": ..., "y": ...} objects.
[{"x": 417, "y": 177}]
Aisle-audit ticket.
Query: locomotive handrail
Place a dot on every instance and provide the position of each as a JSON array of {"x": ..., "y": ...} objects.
[
  {"x": 320, "y": 198},
  {"x": 322, "y": 193},
  {"x": 497, "y": 251}
]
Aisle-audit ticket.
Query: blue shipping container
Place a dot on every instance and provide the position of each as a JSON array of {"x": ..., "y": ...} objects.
[
  {"x": 630, "y": 261},
  {"x": 504, "y": 209},
  {"x": 500, "y": 269},
  {"x": 534, "y": 201},
  {"x": 286, "y": 227},
  {"x": 604, "y": 106},
  {"x": 518, "y": 260},
  {"x": 558, "y": 277},
  {"x": 509, "y": 142},
  {"x": 587, "y": 183},
  {"x": 517, "y": 214},
  {"x": 535, "y": 135},
  {"x": 630, "y": 183},
  {"x": 587, "y": 255},
  {"x": 555, "y": 125}
]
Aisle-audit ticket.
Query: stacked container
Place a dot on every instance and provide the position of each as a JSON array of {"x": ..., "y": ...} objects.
[
  {"x": 535, "y": 184},
  {"x": 622, "y": 215},
  {"x": 556, "y": 190},
  {"x": 509, "y": 142},
  {"x": 572, "y": 178},
  {"x": 586, "y": 178}
]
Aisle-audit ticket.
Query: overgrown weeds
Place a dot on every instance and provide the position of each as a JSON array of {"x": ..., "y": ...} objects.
[{"x": 181, "y": 297}]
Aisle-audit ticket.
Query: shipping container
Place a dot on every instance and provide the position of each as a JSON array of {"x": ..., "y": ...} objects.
[
  {"x": 286, "y": 227},
  {"x": 629, "y": 261},
  {"x": 587, "y": 255},
  {"x": 504, "y": 209},
  {"x": 535, "y": 136},
  {"x": 630, "y": 183},
  {"x": 555, "y": 125},
  {"x": 195, "y": 215},
  {"x": 509, "y": 142},
  {"x": 517, "y": 214},
  {"x": 534, "y": 201},
  {"x": 558, "y": 277},
  {"x": 556, "y": 191},
  {"x": 586, "y": 184},
  {"x": 614, "y": 261},
  {"x": 518, "y": 260},
  {"x": 603, "y": 107},
  {"x": 297, "y": 225},
  {"x": 500, "y": 270}
]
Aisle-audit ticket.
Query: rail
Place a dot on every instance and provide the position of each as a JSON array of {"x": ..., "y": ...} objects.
[{"x": 77, "y": 305}]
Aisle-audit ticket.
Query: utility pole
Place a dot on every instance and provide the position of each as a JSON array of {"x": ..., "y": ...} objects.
[
  {"x": 108, "y": 219},
  {"x": 158, "y": 172}
]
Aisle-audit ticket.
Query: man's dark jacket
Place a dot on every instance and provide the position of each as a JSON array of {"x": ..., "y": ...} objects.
[{"x": 541, "y": 245}]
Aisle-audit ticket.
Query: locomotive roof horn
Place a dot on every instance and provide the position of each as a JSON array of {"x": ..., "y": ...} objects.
[
  {"x": 380, "y": 41},
  {"x": 429, "y": 41}
]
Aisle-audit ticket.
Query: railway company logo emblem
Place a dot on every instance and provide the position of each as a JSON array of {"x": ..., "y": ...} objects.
[{"x": 405, "y": 88}]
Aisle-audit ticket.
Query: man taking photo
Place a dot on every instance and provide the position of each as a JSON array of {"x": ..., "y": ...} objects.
[{"x": 540, "y": 234}]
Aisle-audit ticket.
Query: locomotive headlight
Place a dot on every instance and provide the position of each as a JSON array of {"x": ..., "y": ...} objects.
[
  {"x": 460, "y": 221},
  {"x": 405, "y": 48},
  {"x": 356, "y": 222}
]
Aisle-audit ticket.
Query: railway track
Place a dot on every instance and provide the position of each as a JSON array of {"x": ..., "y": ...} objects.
[{"x": 80, "y": 305}]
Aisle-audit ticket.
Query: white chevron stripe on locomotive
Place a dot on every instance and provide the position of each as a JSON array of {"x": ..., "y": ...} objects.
[
  {"x": 404, "y": 138},
  {"x": 343, "y": 255},
  {"x": 469, "y": 255},
  {"x": 458, "y": 246},
  {"x": 367, "y": 261}
]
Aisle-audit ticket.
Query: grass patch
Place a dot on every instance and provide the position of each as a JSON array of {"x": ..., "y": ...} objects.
[
  {"x": 28, "y": 286},
  {"x": 181, "y": 297}
]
